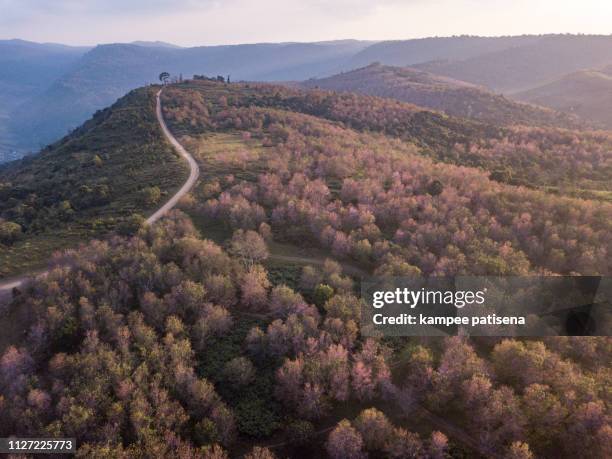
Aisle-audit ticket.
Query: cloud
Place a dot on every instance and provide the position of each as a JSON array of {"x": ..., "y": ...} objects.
[
  {"x": 355, "y": 8},
  {"x": 198, "y": 22},
  {"x": 24, "y": 10},
  {"x": 20, "y": 10},
  {"x": 215, "y": 21}
]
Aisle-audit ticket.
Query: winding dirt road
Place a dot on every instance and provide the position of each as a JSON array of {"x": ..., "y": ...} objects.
[
  {"x": 7, "y": 285},
  {"x": 194, "y": 170}
]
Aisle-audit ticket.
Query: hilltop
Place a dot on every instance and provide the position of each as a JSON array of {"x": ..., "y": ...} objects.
[
  {"x": 587, "y": 93},
  {"x": 98, "y": 179},
  {"x": 456, "y": 98},
  {"x": 107, "y": 72}
]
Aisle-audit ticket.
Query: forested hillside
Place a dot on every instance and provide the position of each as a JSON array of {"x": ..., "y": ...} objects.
[
  {"x": 199, "y": 349},
  {"x": 379, "y": 199},
  {"x": 456, "y": 98},
  {"x": 537, "y": 157},
  {"x": 102, "y": 176}
]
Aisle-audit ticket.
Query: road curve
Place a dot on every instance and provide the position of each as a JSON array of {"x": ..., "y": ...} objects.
[
  {"x": 194, "y": 170},
  {"x": 6, "y": 285}
]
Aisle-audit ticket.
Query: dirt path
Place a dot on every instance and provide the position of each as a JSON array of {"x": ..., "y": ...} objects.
[
  {"x": 7, "y": 285},
  {"x": 194, "y": 170}
]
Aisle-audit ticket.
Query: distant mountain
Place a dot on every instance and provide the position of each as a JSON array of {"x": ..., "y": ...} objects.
[
  {"x": 456, "y": 98},
  {"x": 107, "y": 72},
  {"x": 56, "y": 88},
  {"x": 587, "y": 93},
  {"x": 409, "y": 52},
  {"x": 533, "y": 63},
  {"x": 26, "y": 69}
]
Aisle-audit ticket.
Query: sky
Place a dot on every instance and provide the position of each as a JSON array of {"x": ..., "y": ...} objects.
[{"x": 209, "y": 22}]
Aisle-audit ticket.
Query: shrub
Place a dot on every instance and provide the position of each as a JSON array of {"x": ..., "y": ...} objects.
[
  {"x": 150, "y": 195},
  {"x": 300, "y": 433}
]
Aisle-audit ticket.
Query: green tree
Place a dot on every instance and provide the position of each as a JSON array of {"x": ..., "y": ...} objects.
[
  {"x": 9, "y": 232},
  {"x": 163, "y": 77},
  {"x": 321, "y": 294}
]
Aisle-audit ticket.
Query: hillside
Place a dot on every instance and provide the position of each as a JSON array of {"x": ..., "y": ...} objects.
[
  {"x": 453, "y": 97},
  {"x": 555, "y": 160},
  {"x": 107, "y": 72},
  {"x": 586, "y": 93},
  {"x": 528, "y": 65},
  {"x": 94, "y": 180}
]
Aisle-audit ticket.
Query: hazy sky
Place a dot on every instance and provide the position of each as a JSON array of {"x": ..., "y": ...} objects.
[{"x": 200, "y": 22}]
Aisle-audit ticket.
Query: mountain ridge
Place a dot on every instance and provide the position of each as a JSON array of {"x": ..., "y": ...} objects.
[{"x": 92, "y": 78}]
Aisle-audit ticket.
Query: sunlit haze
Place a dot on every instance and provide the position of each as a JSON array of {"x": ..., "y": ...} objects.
[{"x": 205, "y": 22}]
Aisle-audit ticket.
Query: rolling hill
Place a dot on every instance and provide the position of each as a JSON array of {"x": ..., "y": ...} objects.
[
  {"x": 309, "y": 149},
  {"x": 409, "y": 52},
  {"x": 587, "y": 93},
  {"x": 456, "y": 98},
  {"x": 555, "y": 160}
]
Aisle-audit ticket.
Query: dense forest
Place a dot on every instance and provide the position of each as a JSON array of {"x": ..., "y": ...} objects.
[
  {"x": 108, "y": 173},
  {"x": 197, "y": 338},
  {"x": 166, "y": 345}
]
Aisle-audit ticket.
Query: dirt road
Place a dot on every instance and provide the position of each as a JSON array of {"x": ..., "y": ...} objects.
[{"x": 194, "y": 170}]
